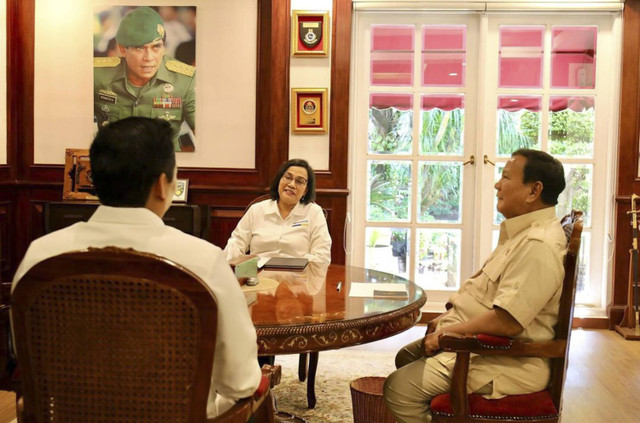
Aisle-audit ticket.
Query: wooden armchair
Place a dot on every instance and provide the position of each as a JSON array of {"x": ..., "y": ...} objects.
[
  {"x": 117, "y": 335},
  {"x": 8, "y": 373},
  {"x": 544, "y": 406}
]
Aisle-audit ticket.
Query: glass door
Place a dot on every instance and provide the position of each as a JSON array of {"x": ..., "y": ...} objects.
[
  {"x": 552, "y": 92},
  {"x": 441, "y": 101},
  {"x": 416, "y": 126}
]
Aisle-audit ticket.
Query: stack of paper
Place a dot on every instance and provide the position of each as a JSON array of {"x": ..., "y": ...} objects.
[{"x": 379, "y": 290}]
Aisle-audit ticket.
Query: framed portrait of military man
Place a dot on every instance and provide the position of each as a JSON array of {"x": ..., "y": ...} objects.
[{"x": 144, "y": 65}]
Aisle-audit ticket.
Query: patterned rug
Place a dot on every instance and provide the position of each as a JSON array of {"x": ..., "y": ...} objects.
[{"x": 336, "y": 369}]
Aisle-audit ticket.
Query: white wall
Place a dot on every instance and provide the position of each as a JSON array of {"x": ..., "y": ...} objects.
[{"x": 225, "y": 86}]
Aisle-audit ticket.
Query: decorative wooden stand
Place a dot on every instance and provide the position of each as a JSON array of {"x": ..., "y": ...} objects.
[{"x": 627, "y": 327}]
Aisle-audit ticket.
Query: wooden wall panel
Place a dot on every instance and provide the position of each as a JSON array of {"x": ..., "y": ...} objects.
[
  {"x": 25, "y": 186},
  {"x": 6, "y": 229},
  {"x": 628, "y": 181}
]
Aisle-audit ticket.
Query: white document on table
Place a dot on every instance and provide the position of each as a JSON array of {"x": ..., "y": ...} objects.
[
  {"x": 262, "y": 261},
  {"x": 378, "y": 290}
]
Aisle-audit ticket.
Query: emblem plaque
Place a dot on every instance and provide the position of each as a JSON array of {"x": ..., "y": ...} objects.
[
  {"x": 309, "y": 110},
  {"x": 310, "y": 33}
]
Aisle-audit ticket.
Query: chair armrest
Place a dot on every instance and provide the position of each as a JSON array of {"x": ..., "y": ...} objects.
[
  {"x": 498, "y": 345},
  {"x": 263, "y": 387},
  {"x": 259, "y": 407},
  {"x": 8, "y": 362},
  {"x": 273, "y": 373},
  {"x": 20, "y": 410},
  {"x": 465, "y": 345}
]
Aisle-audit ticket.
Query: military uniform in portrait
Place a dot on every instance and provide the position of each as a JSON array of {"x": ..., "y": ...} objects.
[
  {"x": 169, "y": 95},
  {"x": 143, "y": 81}
]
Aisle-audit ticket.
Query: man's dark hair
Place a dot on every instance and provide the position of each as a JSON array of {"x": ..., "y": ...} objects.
[
  {"x": 543, "y": 167},
  {"x": 128, "y": 156},
  {"x": 310, "y": 195}
]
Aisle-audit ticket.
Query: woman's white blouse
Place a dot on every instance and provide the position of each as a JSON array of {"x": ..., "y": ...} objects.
[{"x": 263, "y": 232}]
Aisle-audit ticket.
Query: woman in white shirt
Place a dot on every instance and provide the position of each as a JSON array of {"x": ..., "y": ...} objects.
[{"x": 289, "y": 224}]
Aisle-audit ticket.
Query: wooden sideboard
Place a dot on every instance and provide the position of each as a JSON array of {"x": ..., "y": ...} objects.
[{"x": 189, "y": 218}]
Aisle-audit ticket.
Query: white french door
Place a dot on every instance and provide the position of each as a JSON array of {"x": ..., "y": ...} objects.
[{"x": 439, "y": 103}]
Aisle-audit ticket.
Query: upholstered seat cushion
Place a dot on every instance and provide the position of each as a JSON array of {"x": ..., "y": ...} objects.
[{"x": 528, "y": 406}]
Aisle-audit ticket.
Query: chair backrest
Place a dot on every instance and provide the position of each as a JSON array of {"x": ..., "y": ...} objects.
[
  {"x": 113, "y": 335},
  {"x": 572, "y": 223},
  {"x": 257, "y": 200}
]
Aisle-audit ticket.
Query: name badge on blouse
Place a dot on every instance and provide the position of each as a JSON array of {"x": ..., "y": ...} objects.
[{"x": 304, "y": 222}]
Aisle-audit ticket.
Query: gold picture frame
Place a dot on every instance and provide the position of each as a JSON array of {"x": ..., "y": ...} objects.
[
  {"x": 77, "y": 184},
  {"x": 309, "y": 110},
  {"x": 182, "y": 187},
  {"x": 310, "y": 35}
]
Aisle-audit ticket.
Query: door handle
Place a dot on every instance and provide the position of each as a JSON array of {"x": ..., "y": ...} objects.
[
  {"x": 486, "y": 160},
  {"x": 472, "y": 160}
]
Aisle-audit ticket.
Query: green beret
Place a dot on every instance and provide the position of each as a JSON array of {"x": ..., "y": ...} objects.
[{"x": 140, "y": 26}]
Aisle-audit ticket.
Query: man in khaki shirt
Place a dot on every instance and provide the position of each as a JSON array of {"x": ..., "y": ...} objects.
[{"x": 516, "y": 294}]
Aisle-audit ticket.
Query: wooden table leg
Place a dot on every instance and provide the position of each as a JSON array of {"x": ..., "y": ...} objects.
[
  {"x": 311, "y": 381},
  {"x": 302, "y": 367}
]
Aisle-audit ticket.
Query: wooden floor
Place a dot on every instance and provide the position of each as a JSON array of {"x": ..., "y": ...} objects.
[{"x": 603, "y": 381}]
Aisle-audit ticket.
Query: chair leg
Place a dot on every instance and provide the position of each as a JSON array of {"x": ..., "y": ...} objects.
[
  {"x": 266, "y": 359},
  {"x": 311, "y": 382},
  {"x": 302, "y": 367}
]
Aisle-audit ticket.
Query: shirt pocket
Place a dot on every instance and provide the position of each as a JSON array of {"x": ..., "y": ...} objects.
[
  {"x": 107, "y": 113},
  {"x": 485, "y": 287},
  {"x": 170, "y": 115}
]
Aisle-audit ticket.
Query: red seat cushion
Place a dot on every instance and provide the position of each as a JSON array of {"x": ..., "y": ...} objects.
[
  {"x": 493, "y": 341},
  {"x": 262, "y": 388},
  {"x": 528, "y": 406}
]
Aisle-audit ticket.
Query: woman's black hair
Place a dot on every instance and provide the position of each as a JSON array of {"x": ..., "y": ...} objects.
[{"x": 310, "y": 195}]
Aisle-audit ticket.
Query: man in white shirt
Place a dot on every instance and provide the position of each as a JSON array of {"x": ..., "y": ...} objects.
[
  {"x": 134, "y": 173},
  {"x": 516, "y": 294}
]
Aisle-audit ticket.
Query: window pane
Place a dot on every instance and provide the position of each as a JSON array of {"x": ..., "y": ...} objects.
[
  {"x": 497, "y": 216},
  {"x": 389, "y": 192},
  {"x": 442, "y": 124},
  {"x": 520, "y": 56},
  {"x": 443, "y": 55},
  {"x": 438, "y": 258},
  {"x": 571, "y": 122},
  {"x": 390, "y": 123},
  {"x": 573, "y": 57},
  {"x": 392, "y": 55},
  {"x": 518, "y": 124},
  {"x": 440, "y": 192},
  {"x": 584, "y": 263},
  {"x": 577, "y": 195},
  {"x": 387, "y": 249}
]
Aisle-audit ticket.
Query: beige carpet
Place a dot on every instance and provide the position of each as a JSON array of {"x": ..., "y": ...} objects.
[{"x": 335, "y": 370}]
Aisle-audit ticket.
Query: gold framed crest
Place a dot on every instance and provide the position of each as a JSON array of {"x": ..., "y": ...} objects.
[
  {"x": 182, "y": 186},
  {"x": 77, "y": 183},
  {"x": 309, "y": 110},
  {"x": 310, "y": 34}
]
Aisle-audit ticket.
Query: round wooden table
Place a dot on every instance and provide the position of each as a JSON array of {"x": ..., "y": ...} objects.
[{"x": 308, "y": 311}]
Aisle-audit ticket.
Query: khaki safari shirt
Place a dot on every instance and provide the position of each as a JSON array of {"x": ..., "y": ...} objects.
[
  {"x": 169, "y": 95},
  {"x": 523, "y": 276}
]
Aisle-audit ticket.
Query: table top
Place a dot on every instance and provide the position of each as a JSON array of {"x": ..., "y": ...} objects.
[{"x": 303, "y": 311}]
